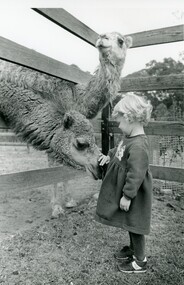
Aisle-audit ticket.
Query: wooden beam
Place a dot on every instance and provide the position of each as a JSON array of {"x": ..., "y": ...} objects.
[
  {"x": 37, "y": 178},
  {"x": 152, "y": 37},
  {"x": 148, "y": 83},
  {"x": 9, "y": 137},
  {"x": 105, "y": 130},
  {"x": 19, "y": 54},
  {"x": 43, "y": 177},
  {"x": 158, "y": 36},
  {"x": 167, "y": 173},
  {"x": 65, "y": 20},
  {"x": 162, "y": 128},
  {"x": 13, "y": 144}
]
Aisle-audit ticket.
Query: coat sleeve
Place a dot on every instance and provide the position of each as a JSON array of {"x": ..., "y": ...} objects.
[{"x": 137, "y": 166}]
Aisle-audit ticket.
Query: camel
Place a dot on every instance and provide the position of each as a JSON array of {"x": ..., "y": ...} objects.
[{"x": 53, "y": 115}]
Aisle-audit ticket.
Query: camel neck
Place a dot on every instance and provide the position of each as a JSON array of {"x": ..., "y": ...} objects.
[{"x": 100, "y": 90}]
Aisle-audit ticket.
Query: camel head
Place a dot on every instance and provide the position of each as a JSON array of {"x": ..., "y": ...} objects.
[
  {"x": 75, "y": 143},
  {"x": 112, "y": 48}
]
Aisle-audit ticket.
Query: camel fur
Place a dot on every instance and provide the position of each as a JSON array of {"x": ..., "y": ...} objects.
[{"x": 53, "y": 115}]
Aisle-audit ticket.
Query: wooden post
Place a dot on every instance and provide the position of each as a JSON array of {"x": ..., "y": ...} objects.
[
  {"x": 105, "y": 130},
  {"x": 111, "y": 132},
  {"x": 107, "y": 135}
]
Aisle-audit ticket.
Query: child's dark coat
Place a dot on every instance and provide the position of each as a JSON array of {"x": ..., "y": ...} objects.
[{"x": 127, "y": 174}]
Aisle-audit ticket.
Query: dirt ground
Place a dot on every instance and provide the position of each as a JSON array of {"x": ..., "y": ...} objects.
[
  {"x": 74, "y": 249},
  {"x": 22, "y": 209}
]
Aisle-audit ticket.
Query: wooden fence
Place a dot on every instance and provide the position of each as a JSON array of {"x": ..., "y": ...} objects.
[{"x": 16, "y": 53}]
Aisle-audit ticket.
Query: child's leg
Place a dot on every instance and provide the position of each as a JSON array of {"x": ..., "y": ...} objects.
[
  {"x": 126, "y": 253},
  {"x": 131, "y": 242},
  {"x": 138, "y": 242},
  {"x": 139, "y": 262}
]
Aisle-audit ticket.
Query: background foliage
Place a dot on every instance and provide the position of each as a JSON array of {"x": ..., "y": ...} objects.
[{"x": 167, "y": 104}]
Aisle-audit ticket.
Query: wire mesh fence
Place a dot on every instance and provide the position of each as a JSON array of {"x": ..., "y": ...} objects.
[{"x": 167, "y": 151}]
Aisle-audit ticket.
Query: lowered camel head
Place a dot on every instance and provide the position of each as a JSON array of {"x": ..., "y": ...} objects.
[
  {"x": 74, "y": 142},
  {"x": 112, "y": 49},
  {"x": 65, "y": 134}
]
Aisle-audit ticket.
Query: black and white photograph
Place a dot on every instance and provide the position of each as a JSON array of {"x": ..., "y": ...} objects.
[{"x": 91, "y": 142}]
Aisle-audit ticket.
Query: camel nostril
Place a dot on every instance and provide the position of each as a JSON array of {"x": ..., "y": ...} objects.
[{"x": 99, "y": 44}]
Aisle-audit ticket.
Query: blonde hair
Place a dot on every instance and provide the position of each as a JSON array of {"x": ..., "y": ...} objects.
[{"x": 134, "y": 109}]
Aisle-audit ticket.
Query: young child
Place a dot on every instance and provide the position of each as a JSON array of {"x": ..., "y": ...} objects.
[{"x": 126, "y": 191}]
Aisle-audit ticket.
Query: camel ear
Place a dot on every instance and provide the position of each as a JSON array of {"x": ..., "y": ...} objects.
[
  {"x": 68, "y": 121},
  {"x": 128, "y": 41}
]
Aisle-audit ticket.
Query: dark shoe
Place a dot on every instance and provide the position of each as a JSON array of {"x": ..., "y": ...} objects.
[
  {"x": 125, "y": 253},
  {"x": 134, "y": 266}
]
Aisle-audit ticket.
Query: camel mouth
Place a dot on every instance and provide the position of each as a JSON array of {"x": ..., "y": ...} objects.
[
  {"x": 104, "y": 48},
  {"x": 95, "y": 177},
  {"x": 94, "y": 173}
]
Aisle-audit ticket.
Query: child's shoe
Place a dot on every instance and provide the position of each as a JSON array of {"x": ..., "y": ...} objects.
[
  {"x": 126, "y": 253},
  {"x": 134, "y": 266}
]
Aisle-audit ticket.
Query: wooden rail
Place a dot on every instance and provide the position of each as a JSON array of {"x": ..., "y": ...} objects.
[
  {"x": 37, "y": 178},
  {"x": 158, "y": 36},
  {"x": 19, "y": 54},
  {"x": 67, "y": 21},
  {"x": 155, "y": 128},
  {"x": 42, "y": 177},
  {"x": 148, "y": 83},
  {"x": 167, "y": 173},
  {"x": 11, "y": 143},
  {"x": 76, "y": 27}
]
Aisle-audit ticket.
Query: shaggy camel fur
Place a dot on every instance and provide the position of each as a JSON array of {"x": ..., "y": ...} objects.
[{"x": 52, "y": 114}]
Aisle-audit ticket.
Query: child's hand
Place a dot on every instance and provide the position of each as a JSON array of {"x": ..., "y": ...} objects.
[
  {"x": 103, "y": 159},
  {"x": 125, "y": 204}
]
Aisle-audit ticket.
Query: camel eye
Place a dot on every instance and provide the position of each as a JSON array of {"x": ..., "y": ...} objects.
[
  {"x": 81, "y": 145},
  {"x": 120, "y": 42}
]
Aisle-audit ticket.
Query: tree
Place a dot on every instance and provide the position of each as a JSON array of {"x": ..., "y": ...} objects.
[
  {"x": 161, "y": 111},
  {"x": 172, "y": 99}
]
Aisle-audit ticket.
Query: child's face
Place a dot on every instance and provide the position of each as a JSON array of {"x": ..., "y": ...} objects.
[{"x": 124, "y": 125}]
